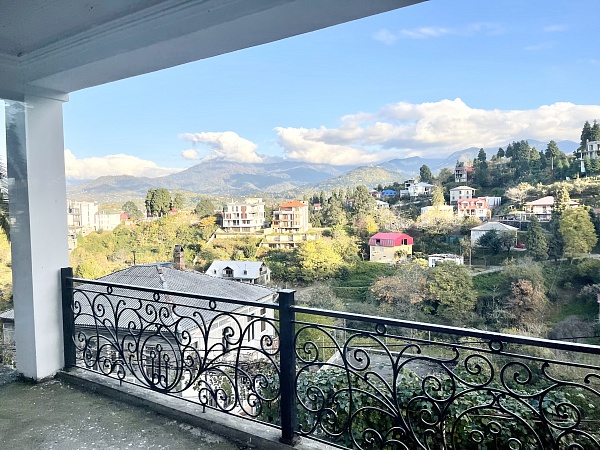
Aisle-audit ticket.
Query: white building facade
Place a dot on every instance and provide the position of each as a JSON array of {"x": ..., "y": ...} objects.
[{"x": 244, "y": 217}]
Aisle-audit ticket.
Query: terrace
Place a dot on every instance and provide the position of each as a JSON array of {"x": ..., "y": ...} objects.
[{"x": 372, "y": 383}]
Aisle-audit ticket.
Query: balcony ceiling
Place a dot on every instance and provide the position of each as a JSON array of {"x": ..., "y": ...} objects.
[{"x": 51, "y": 48}]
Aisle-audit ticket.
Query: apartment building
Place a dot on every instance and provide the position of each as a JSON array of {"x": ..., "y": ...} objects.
[{"x": 244, "y": 217}]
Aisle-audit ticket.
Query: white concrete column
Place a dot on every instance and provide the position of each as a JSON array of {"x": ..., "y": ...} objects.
[{"x": 38, "y": 214}]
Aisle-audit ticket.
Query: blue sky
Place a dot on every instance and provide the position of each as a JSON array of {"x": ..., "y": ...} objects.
[{"x": 424, "y": 80}]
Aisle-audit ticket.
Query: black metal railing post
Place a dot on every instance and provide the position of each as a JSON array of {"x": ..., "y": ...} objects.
[
  {"x": 66, "y": 282},
  {"x": 287, "y": 355}
]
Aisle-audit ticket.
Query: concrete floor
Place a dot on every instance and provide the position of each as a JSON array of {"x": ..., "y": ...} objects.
[{"x": 53, "y": 415}]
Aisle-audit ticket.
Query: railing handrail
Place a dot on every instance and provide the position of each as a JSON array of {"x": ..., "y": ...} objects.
[
  {"x": 131, "y": 287},
  {"x": 469, "y": 332}
]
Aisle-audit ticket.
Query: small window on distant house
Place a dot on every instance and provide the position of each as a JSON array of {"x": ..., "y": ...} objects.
[
  {"x": 377, "y": 242},
  {"x": 245, "y": 272},
  {"x": 404, "y": 241}
]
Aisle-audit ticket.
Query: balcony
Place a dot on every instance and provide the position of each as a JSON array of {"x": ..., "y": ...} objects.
[{"x": 357, "y": 382}]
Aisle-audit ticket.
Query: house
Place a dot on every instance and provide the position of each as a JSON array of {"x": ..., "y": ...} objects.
[
  {"x": 253, "y": 272},
  {"x": 107, "y": 221},
  {"x": 434, "y": 259},
  {"x": 463, "y": 173},
  {"x": 389, "y": 247},
  {"x": 375, "y": 194},
  {"x": 479, "y": 231},
  {"x": 381, "y": 205},
  {"x": 460, "y": 192},
  {"x": 81, "y": 216},
  {"x": 420, "y": 189},
  {"x": 244, "y": 217},
  {"x": 291, "y": 217},
  {"x": 442, "y": 210},
  {"x": 542, "y": 207},
  {"x": 473, "y": 207},
  {"x": 591, "y": 151}
]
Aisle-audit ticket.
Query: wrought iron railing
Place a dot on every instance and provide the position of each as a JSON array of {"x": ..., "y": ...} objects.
[{"x": 349, "y": 380}]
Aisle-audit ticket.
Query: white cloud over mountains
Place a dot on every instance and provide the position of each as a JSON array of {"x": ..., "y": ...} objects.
[
  {"x": 430, "y": 129},
  {"x": 225, "y": 145},
  {"x": 120, "y": 164}
]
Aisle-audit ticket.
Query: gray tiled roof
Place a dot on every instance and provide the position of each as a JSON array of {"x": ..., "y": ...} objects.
[{"x": 160, "y": 276}]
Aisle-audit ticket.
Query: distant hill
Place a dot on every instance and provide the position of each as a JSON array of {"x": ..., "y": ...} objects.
[{"x": 220, "y": 178}]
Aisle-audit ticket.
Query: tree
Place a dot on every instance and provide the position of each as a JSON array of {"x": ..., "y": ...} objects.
[
  {"x": 445, "y": 176},
  {"x": 562, "y": 200},
  {"x": 450, "y": 287},
  {"x": 577, "y": 231},
  {"x": 518, "y": 193},
  {"x": 507, "y": 240},
  {"x": 132, "y": 211},
  {"x": 586, "y": 135},
  {"x": 535, "y": 240},
  {"x": 178, "y": 202},
  {"x": 204, "y": 208},
  {"x": 425, "y": 174},
  {"x": 552, "y": 150},
  {"x": 491, "y": 241},
  {"x": 317, "y": 260},
  {"x": 437, "y": 198},
  {"x": 403, "y": 293},
  {"x": 595, "y": 134},
  {"x": 158, "y": 201},
  {"x": 500, "y": 153},
  {"x": 364, "y": 203},
  {"x": 526, "y": 303}
]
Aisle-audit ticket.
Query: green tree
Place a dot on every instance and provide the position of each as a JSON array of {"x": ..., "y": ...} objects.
[
  {"x": 491, "y": 241},
  {"x": 317, "y": 260},
  {"x": 552, "y": 150},
  {"x": 204, "y": 208},
  {"x": 451, "y": 289},
  {"x": 425, "y": 174},
  {"x": 561, "y": 199},
  {"x": 500, "y": 153},
  {"x": 586, "y": 135},
  {"x": 364, "y": 203},
  {"x": 132, "y": 211},
  {"x": 595, "y": 134},
  {"x": 535, "y": 240},
  {"x": 178, "y": 202},
  {"x": 578, "y": 231},
  {"x": 402, "y": 294},
  {"x": 158, "y": 201}
]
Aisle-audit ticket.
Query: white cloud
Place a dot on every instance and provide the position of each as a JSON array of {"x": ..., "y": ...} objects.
[
  {"x": 389, "y": 37},
  {"x": 121, "y": 164},
  {"x": 225, "y": 145},
  {"x": 190, "y": 154},
  {"x": 556, "y": 28},
  {"x": 430, "y": 129}
]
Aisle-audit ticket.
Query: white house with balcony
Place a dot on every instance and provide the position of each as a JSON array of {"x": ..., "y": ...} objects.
[
  {"x": 478, "y": 232},
  {"x": 542, "y": 207},
  {"x": 253, "y": 272},
  {"x": 461, "y": 192},
  {"x": 591, "y": 150},
  {"x": 420, "y": 189}
]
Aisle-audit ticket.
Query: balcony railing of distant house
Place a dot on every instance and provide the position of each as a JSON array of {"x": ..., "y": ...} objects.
[{"x": 348, "y": 380}]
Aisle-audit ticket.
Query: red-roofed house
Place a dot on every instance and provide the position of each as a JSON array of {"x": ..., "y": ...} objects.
[
  {"x": 390, "y": 247},
  {"x": 291, "y": 217}
]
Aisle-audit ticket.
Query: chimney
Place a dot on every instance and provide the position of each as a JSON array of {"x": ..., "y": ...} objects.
[{"x": 178, "y": 258}]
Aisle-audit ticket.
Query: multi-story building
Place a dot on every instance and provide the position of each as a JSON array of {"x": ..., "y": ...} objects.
[
  {"x": 460, "y": 192},
  {"x": 291, "y": 217},
  {"x": 463, "y": 173},
  {"x": 81, "y": 215},
  {"x": 474, "y": 207},
  {"x": 591, "y": 151},
  {"x": 542, "y": 207},
  {"x": 244, "y": 217},
  {"x": 107, "y": 221}
]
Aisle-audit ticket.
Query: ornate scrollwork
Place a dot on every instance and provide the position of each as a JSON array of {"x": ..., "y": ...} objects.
[
  {"x": 375, "y": 389},
  {"x": 203, "y": 353}
]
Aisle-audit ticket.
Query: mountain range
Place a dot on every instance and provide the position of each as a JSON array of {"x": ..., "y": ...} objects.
[{"x": 218, "y": 177}]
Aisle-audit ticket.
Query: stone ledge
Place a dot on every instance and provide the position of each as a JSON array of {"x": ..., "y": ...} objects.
[{"x": 246, "y": 432}]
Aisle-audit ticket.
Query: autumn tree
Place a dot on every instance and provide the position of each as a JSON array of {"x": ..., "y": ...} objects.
[
  {"x": 317, "y": 260},
  {"x": 402, "y": 294},
  {"x": 518, "y": 193},
  {"x": 526, "y": 304}
]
